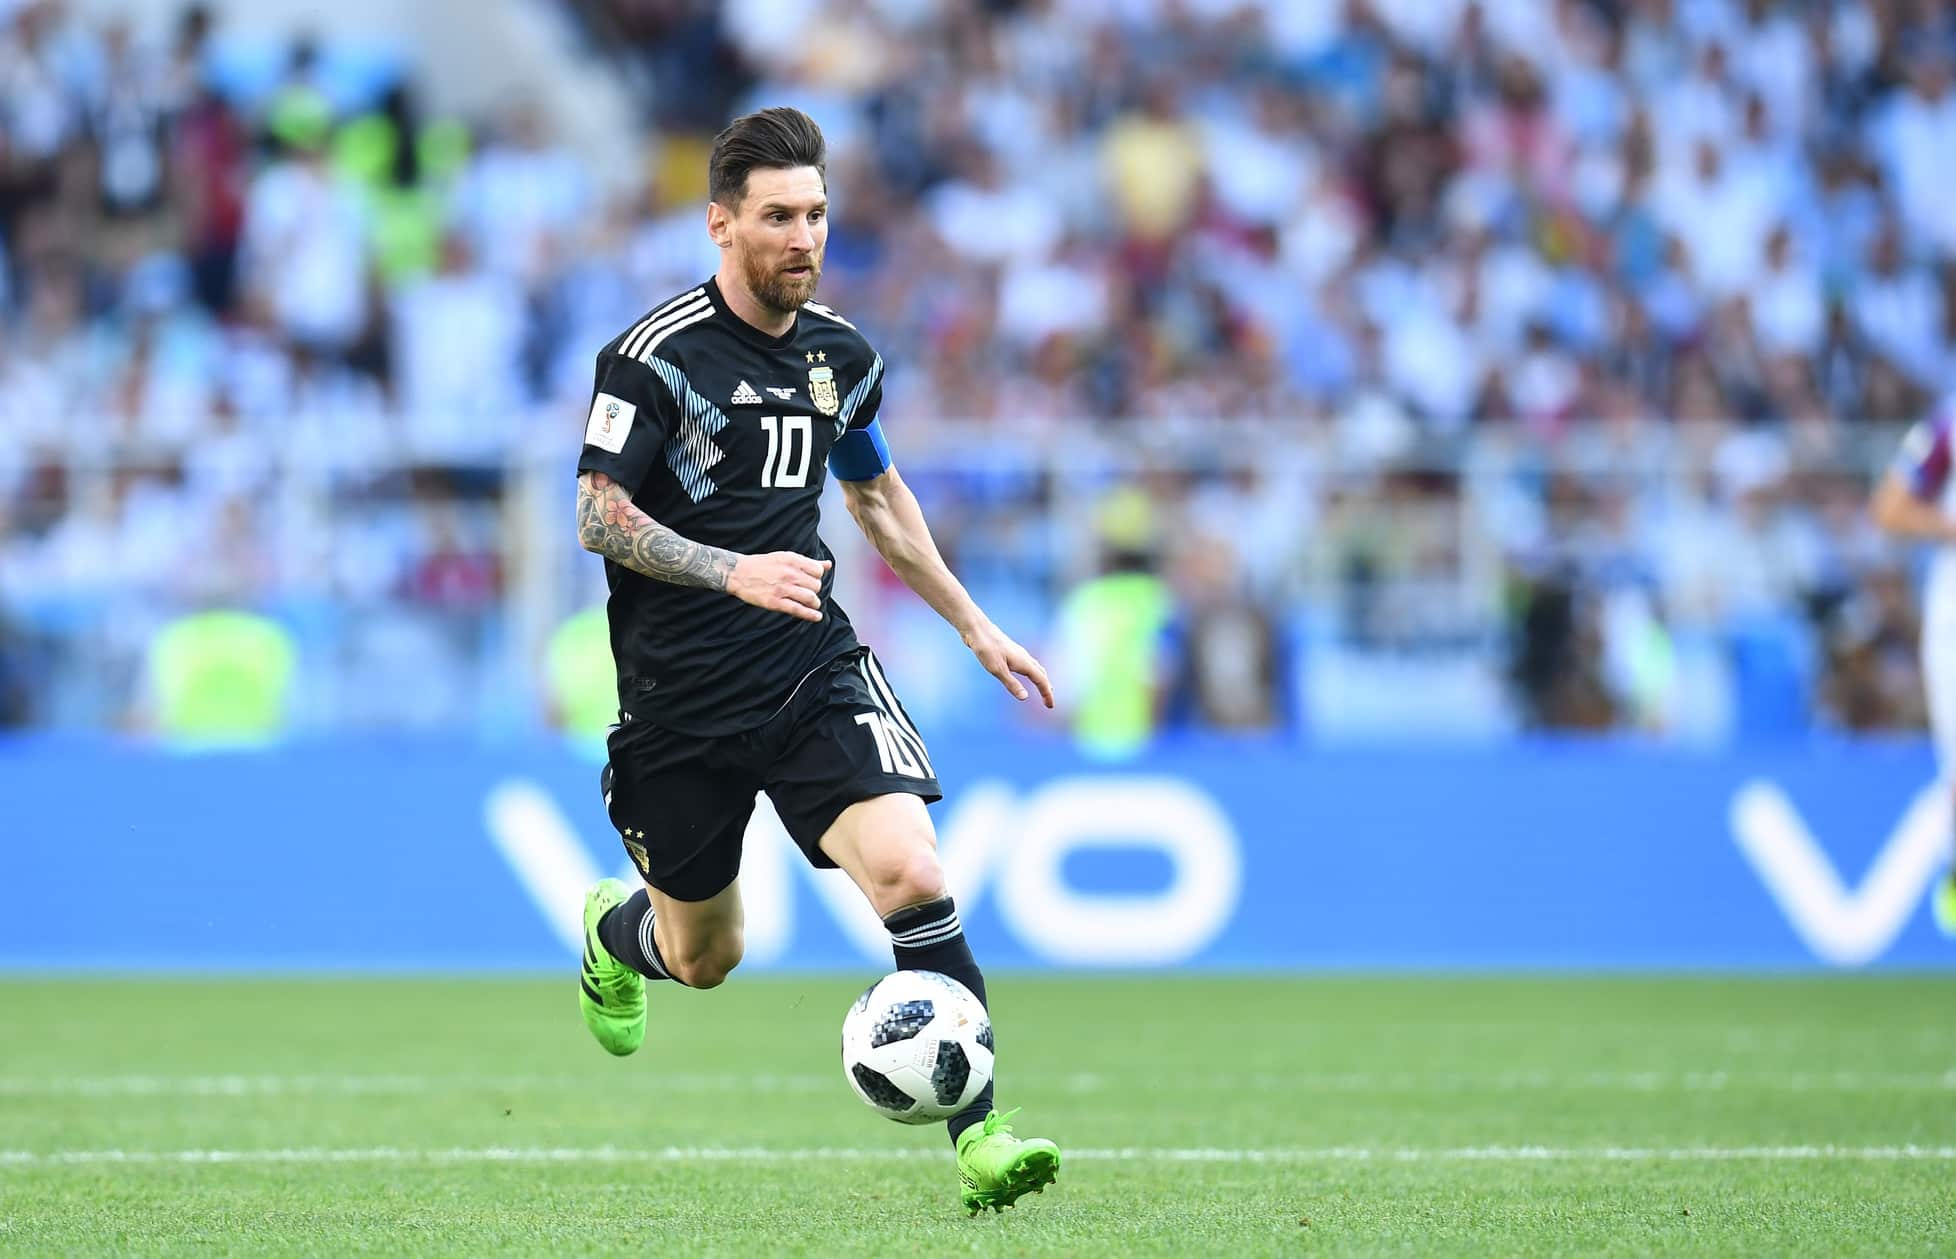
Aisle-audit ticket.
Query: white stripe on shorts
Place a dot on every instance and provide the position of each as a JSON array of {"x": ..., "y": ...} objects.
[{"x": 898, "y": 725}]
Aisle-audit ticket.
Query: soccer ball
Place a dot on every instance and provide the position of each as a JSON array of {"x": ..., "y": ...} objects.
[{"x": 917, "y": 1046}]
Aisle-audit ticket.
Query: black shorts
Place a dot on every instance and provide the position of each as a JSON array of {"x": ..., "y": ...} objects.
[{"x": 681, "y": 802}]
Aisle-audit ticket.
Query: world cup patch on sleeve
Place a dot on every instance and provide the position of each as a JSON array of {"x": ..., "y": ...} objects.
[{"x": 610, "y": 423}]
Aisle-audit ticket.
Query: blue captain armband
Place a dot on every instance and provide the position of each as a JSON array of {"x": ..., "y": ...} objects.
[{"x": 860, "y": 454}]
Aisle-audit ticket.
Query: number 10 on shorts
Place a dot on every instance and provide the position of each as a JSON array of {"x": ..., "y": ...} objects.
[{"x": 892, "y": 749}]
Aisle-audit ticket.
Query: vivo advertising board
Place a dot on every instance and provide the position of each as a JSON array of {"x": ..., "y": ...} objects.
[{"x": 365, "y": 855}]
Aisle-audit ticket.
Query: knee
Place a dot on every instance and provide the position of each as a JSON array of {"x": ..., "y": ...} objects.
[
  {"x": 707, "y": 964},
  {"x": 911, "y": 878}
]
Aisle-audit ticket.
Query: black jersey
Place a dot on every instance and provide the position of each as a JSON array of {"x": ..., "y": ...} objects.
[{"x": 722, "y": 434}]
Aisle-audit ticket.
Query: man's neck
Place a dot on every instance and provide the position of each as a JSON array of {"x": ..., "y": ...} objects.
[{"x": 733, "y": 291}]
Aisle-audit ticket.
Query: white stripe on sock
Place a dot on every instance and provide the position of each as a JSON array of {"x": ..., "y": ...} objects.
[
  {"x": 922, "y": 928},
  {"x": 932, "y": 942},
  {"x": 648, "y": 944},
  {"x": 941, "y": 927},
  {"x": 932, "y": 933}
]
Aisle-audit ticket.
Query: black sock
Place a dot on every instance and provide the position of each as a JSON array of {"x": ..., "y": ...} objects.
[
  {"x": 930, "y": 937},
  {"x": 626, "y": 930}
]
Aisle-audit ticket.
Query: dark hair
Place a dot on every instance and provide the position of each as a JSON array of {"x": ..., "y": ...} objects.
[{"x": 771, "y": 139}]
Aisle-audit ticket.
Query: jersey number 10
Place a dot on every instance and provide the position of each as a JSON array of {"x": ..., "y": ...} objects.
[{"x": 787, "y": 435}]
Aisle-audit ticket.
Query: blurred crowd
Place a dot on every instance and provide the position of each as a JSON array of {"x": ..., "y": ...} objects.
[
  {"x": 1550, "y": 339},
  {"x": 1404, "y": 216}
]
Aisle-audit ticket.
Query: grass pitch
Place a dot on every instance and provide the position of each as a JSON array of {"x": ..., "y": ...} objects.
[{"x": 1199, "y": 1116}]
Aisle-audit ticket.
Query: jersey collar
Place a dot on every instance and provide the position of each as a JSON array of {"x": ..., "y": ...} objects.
[{"x": 746, "y": 331}]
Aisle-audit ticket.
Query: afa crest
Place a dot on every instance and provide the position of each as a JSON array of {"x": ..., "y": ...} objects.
[{"x": 821, "y": 390}]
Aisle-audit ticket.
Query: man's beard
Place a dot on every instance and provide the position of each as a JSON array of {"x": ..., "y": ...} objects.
[{"x": 778, "y": 291}]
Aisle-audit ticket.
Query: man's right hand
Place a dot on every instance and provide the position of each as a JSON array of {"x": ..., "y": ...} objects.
[{"x": 780, "y": 581}]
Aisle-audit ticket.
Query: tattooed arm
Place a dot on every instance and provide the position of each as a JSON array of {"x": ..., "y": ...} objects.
[{"x": 611, "y": 525}]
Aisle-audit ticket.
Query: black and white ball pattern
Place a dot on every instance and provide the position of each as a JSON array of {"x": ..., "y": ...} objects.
[{"x": 917, "y": 1046}]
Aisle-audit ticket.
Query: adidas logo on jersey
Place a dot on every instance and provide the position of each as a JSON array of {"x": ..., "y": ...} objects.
[{"x": 745, "y": 395}]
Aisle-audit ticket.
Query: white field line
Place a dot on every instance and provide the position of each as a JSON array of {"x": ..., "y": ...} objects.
[
  {"x": 116, "y": 1086},
  {"x": 393, "y": 1085},
  {"x": 763, "y": 1156}
]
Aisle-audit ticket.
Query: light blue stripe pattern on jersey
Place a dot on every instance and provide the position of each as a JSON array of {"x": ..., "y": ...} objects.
[
  {"x": 691, "y": 450},
  {"x": 854, "y": 401}
]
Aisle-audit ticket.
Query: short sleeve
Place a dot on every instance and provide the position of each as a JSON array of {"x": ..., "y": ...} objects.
[
  {"x": 860, "y": 408},
  {"x": 1924, "y": 460},
  {"x": 632, "y": 414}
]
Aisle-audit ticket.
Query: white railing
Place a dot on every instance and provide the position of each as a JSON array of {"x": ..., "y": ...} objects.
[{"x": 427, "y": 592}]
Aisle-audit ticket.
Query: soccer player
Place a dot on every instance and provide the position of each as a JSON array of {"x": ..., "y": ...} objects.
[
  {"x": 714, "y": 418},
  {"x": 1916, "y": 499}
]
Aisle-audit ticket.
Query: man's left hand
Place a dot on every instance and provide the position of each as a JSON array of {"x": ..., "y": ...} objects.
[{"x": 1007, "y": 661}]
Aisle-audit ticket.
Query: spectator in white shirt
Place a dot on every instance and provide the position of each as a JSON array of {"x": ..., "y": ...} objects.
[
  {"x": 983, "y": 218},
  {"x": 1916, "y": 138},
  {"x": 458, "y": 342},
  {"x": 1787, "y": 311},
  {"x": 1721, "y": 215},
  {"x": 1897, "y": 308},
  {"x": 521, "y": 200},
  {"x": 304, "y": 252}
]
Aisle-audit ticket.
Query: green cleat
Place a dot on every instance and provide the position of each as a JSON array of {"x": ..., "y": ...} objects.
[
  {"x": 1944, "y": 904},
  {"x": 611, "y": 993},
  {"x": 998, "y": 1168}
]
